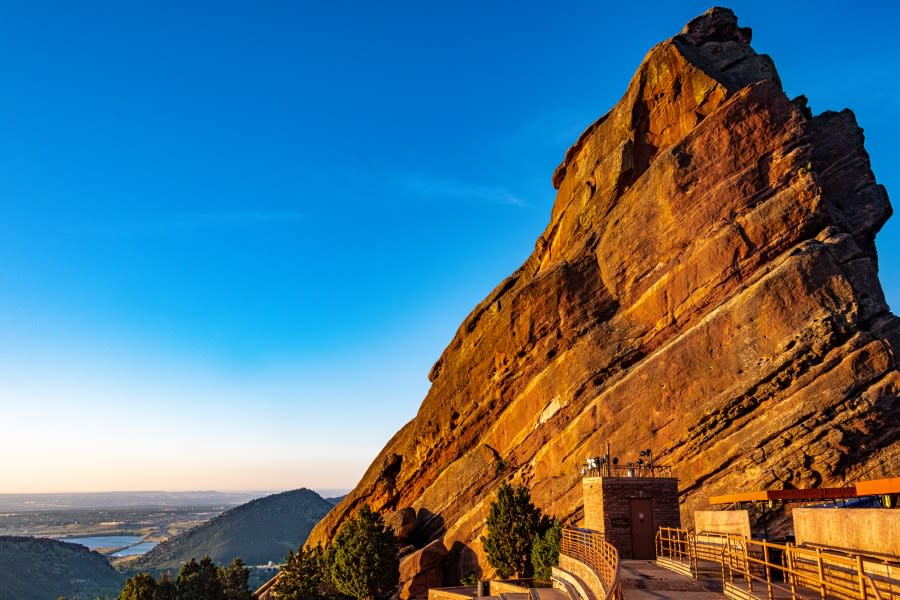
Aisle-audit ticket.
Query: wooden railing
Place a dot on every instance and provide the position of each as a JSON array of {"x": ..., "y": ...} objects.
[
  {"x": 590, "y": 548},
  {"x": 764, "y": 569}
]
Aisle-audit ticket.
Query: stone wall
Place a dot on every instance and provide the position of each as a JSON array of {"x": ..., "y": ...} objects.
[
  {"x": 584, "y": 574},
  {"x": 456, "y": 593},
  {"x": 569, "y": 585},
  {"x": 723, "y": 521},
  {"x": 863, "y": 529},
  {"x": 506, "y": 587}
]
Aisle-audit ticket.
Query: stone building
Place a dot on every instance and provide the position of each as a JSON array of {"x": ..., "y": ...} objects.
[{"x": 630, "y": 509}]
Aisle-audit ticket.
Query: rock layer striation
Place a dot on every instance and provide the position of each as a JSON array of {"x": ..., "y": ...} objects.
[{"x": 707, "y": 287}]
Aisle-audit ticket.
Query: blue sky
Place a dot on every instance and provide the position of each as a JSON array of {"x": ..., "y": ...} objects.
[{"x": 235, "y": 236}]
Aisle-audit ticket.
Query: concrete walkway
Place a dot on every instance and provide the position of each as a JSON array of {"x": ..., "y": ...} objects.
[
  {"x": 551, "y": 594},
  {"x": 645, "y": 580}
]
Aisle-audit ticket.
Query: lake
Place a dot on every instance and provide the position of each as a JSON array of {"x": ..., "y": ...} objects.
[
  {"x": 136, "y": 550},
  {"x": 131, "y": 545}
]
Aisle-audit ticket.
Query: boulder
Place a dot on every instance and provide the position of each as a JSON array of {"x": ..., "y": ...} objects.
[
  {"x": 403, "y": 522},
  {"x": 422, "y": 570}
]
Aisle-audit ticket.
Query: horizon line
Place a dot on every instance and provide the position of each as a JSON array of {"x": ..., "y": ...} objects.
[{"x": 160, "y": 491}]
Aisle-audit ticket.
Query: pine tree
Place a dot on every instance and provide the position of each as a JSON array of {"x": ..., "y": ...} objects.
[
  {"x": 143, "y": 587},
  {"x": 364, "y": 558},
  {"x": 545, "y": 552},
  {"x": 234, "y": 581},
  {"x": 306, "y": 575},
  {"x": 139, "y": 587},
  {"x": 513, "y": 524},
  {"x": 198, "y": 581},
  {"x": 165, "y": 588}
]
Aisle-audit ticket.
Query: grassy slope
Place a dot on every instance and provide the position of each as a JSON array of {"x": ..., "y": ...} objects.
[
  {"x": 38, "y": 569},
  {"x": 257, "y": 532}
]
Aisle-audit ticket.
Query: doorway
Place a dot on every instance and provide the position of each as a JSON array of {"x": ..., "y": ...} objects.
[{"x": 643, "y": 529}]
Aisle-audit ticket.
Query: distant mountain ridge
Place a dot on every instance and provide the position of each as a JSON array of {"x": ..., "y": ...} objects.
[
  {"x": 98, "y": 500},
  {"x": 257, "y": 532},
  {"x": 38, "y": 569}
]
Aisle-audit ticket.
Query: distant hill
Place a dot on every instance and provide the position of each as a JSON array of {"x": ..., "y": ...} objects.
[
  {"x": 42, "y": 569},
  {"x": 257, "y": 532}
]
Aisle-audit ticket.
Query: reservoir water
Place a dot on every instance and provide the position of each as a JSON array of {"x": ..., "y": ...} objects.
[
  {"x": 131, "y": 545},
  {"x": 136, "y": 550}
]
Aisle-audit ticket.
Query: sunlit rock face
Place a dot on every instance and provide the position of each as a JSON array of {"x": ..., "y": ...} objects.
[{"x": 707, "y": 287}]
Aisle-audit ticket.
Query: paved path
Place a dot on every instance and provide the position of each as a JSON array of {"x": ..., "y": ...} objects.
[
  {"x": 551, "y": 594},
  {"x": 645, "y": 580}
]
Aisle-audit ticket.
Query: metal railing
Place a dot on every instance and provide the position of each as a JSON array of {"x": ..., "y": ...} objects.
[
  {"x": 634, "y": 470},
  {"x": 590, "y": 548},
  {"x": 767, "y": 569}
]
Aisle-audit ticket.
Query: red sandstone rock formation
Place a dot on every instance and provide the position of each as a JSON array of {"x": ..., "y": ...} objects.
[{"x": 707, "y": 287}]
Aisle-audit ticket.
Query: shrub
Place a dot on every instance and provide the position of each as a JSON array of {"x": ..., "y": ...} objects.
[
  {"x": 513, "y": 524},
  {"x": 364, "y": 558}
]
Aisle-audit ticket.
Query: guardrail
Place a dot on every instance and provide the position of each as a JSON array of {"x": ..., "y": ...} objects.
[
  {"x": 633, "y": 470},
  {"x": 590, "y": 548},
  {"x": 265, "y": 591},
  {"x": 760, "y": 569}
]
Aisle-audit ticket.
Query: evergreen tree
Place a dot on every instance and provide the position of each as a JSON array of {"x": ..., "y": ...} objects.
[
  {"x": 165, "y": 588},
  {"x": 188, "y": 582},
  {"x": 513, "y": 524},
  {"x": 143, "y": 587},
  {"x": 234, "y": 581},
  {"x": 198, "y": 581},
  {"x": 139, "y": 587},
  {"x": 545, "y": 551},
  {"x": 364, "y": 558},
  {"x": 306, "y": 575}
]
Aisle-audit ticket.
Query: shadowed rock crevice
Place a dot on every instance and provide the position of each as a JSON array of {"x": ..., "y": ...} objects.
[{"x": 707, "y": 286}]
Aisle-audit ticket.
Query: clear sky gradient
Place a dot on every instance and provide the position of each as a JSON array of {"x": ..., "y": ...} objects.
[{"x": 235, "y": 236}]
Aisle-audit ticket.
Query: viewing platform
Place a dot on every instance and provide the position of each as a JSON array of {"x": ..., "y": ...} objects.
[
  {"x": 730, "y": 563},
  {"x": 838, "y": 553}
]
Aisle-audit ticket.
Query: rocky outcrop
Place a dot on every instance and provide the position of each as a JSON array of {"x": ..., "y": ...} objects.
[
  {"x": 706, "y": 287},
  {"x": 402, "y": 522},
  {"x": 421, "y": 570}
]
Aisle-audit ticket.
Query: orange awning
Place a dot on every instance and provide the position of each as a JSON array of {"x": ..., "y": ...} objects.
[
  {"x": 874, "y": 487},
  {"x": 877, "y": 487}
]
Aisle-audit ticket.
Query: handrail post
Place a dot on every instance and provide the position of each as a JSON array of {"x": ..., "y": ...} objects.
[
  {"x": 824, "y": 589},
  {"x": 789, "y": 558},
  {"x": 860, "y": 571},
  {"x": 726, "y": 557},
  {"x": 692, "y": 552},
  {"x": 768, "y": 570},
  {"x": 747, "y": 566},
  {"x": 677, "y": 542}
]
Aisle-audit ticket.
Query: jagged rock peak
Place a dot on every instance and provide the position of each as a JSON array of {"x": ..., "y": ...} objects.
[
  {"x": 675, "y": 87},
  {"x": 715, "y": 43},
  {"x": 718, "y": 24}
]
